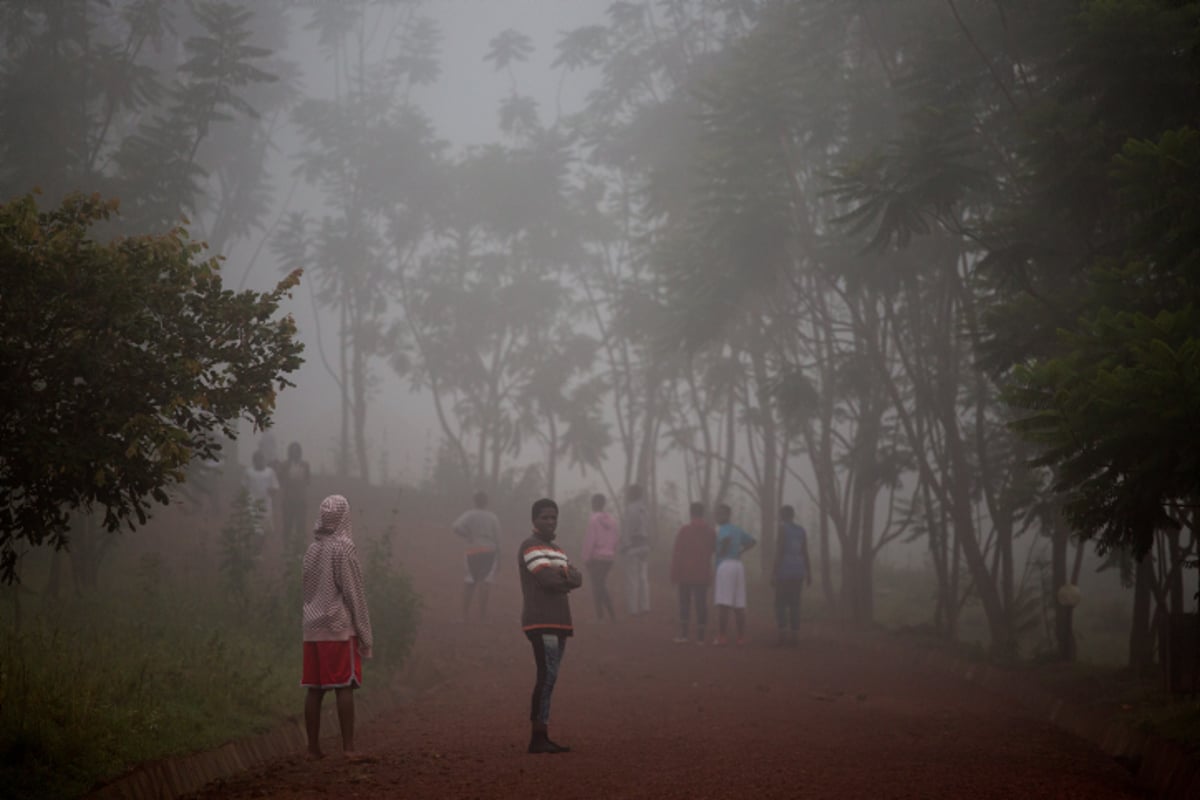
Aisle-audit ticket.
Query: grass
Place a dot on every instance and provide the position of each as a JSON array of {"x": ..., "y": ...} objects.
[
  {"x": 1099, "y": 678},
  {"x": 93, "y": 686},
  {"x": 904, "y": 602}
]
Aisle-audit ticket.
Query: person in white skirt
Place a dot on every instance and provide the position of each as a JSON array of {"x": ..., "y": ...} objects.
[{"x": 729, "y": 585}]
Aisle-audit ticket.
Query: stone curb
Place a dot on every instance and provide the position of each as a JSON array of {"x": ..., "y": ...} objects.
[
  {"x": 177, "y": 776},
  {"x": 1162, "y": 766}
]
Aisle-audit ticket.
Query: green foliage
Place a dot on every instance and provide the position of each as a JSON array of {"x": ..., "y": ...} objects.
[
  {"x": 1113, "y": 404},
  {"x": 91, "y": 105},
  {"x": 90, "y": 691},
  {"x": 1115, "y": 415},
  {"x": 241, "y": 542},
  {"x": 395, "y": 608},
  {"x": 91, "y": 688},
  {"x": 134, "y": 361},
  {"x": 912, "y": 186}
]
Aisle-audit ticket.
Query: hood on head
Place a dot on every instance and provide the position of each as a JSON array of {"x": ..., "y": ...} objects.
[{"x": 334, "y": 519}]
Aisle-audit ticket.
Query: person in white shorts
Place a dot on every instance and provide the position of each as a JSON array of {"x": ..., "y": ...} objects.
[
  {"x": 481, "y": 530},
  {"x": 729, "y": 585}
]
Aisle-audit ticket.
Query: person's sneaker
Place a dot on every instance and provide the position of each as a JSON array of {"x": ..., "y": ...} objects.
[
  {"x": 721, "y": 641},
  {"x": 558, "y": 748},
  {"x": 700, "y": 642},
  {"x": 742, "y": 640},
  {"x": 680, "y": 640}
]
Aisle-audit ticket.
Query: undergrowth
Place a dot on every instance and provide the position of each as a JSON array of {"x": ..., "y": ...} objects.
[{"x": 90, "y": 687}]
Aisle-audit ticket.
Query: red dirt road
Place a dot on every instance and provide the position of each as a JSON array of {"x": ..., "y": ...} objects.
[{"x": 651, "y": 719}]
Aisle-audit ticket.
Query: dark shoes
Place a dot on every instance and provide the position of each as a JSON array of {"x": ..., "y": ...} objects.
[{"x": 540, "y": 743}]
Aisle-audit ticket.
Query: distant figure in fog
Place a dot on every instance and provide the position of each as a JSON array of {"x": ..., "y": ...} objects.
[
  {"x": 789, "y": 575},
  {"x": 691, "y": 571},
  {"x": 262, "y": 487},
  {"x": 599, "y": 551},
  {"x": 546, "y": 578},
  {"x": 337, "y": 626},
  {"x": 729, "y": 589},
  {"x": 266, "y": 446},
  {"x": 481, "y": 530},
  {"x": 294, "y": 477},
  {"x": 635, "y": 552}
]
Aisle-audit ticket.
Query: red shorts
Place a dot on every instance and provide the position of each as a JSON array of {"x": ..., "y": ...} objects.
[{"x": 332, "y": 665}]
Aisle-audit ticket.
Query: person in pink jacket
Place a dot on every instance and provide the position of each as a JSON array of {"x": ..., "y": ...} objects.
[{"x": 599, "y": 550}]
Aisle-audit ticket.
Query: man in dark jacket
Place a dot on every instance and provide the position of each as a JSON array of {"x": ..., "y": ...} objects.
[
  {"x": 691, "y": 570},
  {"x": 546, "y": 578}
]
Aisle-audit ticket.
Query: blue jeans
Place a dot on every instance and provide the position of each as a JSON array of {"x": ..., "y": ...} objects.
[{"x": 548, "y": 649}]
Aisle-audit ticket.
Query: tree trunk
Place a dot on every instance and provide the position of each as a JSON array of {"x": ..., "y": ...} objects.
[
  {"x": 360, "y": 414},
  {"x": 999, "y": 623},
  {"x": 1141, "y": 640},
  {"x": 552, "y": 456},
  {"x": 1064, "y": 634},
  {"x": 768, "y": 501},
  {"x": 849, "y": 587},
  {"x": 826, "y": 567},
  {"x": 343, "y": 459},
  {"x": 864, "y": 605}
]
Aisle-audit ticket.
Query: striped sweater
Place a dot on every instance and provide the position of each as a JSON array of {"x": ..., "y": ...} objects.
[{"x": 546, "y": 578}]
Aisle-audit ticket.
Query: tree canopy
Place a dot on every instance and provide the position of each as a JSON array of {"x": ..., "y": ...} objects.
[{"x": 124, "y": 361}]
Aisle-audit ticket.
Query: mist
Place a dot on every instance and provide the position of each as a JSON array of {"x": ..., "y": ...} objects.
[{"x": 920, "y": 272}]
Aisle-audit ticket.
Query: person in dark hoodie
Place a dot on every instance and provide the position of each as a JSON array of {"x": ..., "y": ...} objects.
[{"x": 546, "y": 579}]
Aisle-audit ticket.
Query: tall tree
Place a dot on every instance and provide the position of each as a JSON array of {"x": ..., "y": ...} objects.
[{"x": 372, "y": 154}]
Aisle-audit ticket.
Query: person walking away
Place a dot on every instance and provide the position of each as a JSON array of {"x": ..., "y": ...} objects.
[
  {"x": 691, "y": 571},
  {"x": 635, "y": 552},
  {"x": 337, "y": 625},
  {"x": 789, "y": 575},
  {"x": 294, "y": 475},
  {"x": 481, "y": 530},
  {"x": 262, "y": 486},
  {"x": 599, "y": 550},
  {"x": 546, "y": 579},
  {"x": 729, "y": 587}
]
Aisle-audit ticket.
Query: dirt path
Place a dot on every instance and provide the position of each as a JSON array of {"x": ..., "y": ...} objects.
[{"x": 651, "y": 719}]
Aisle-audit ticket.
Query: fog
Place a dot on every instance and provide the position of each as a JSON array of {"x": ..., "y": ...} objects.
[
  {"x": 921, "y": 271},
  {"x": 463, "y": 105}
]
